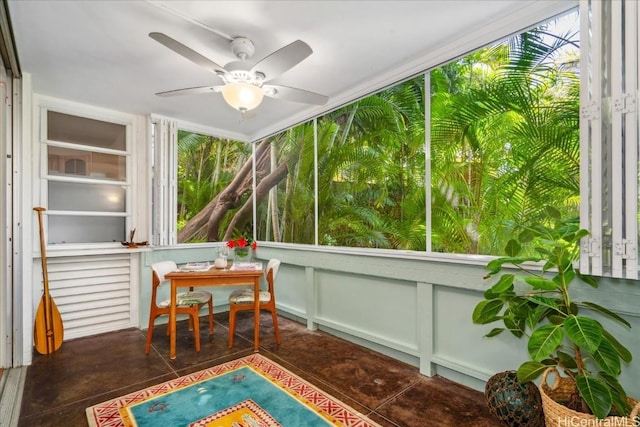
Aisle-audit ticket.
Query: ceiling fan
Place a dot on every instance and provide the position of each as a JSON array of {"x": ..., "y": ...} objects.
[{"x": 244, "y": 84}]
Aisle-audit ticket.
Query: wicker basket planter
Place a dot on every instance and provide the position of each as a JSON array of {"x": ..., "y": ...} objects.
[{"x": 558, "y": 415}]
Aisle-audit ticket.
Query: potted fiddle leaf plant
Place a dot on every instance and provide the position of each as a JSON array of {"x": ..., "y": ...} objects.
[{"x": 563, "y": 334}]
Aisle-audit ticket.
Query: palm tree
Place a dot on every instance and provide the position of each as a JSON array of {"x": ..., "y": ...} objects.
[{"x": 505, "y": 143}]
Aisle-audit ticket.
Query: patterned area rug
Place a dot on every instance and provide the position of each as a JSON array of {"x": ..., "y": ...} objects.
[{"x": 249, "y": 392}]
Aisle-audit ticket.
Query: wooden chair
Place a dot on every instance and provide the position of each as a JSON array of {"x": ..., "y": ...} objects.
[
  {"x": 243, "y": 300},
  {"x": 186, "y": 303}
]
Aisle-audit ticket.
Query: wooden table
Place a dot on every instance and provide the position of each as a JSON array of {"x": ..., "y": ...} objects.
[{"x": 213, "y": 277}]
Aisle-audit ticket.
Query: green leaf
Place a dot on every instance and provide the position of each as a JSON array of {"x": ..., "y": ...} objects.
[
  {"x": 544, "y": 340},
  {"x": 529, "y": 371},
  {"x": 607, "y": 313},
  {"x": 556, "y": 319},
  {"x": 584, "y": 332},
  {"x": 503, "y": 284},
  {"x": 568, "y": 275},
  {"x": 515, "y": 327},
  {"x": 494, "y": 266},
  {"x": 541, "y": 283},
  {"x": 552, "y": 212},
  {"x": 536, "y": 314},
  {"x": 581, "y": 233},
  {"x": 596, "y": 394},
  {"x": 573, "y": 309},
  {"x": 494, "y": 332},
  {"x": 589, "y": 280},
  {"x": 544, "y": 252},
  {"x": 489, "y": 294},
  {"x": 544, "y": 301},
  {"x": 505, "y": 295},
  {"x": 486, "y": 311},
  {"x": 612, "y": 382},
  {"x": 526, "y": 236},
  {"x": 607, "y": 358},
  {"x": 620, "y": 401},
  {"x": 512, "y": 248},
  {"x": 552, "y": 243},
  {"x": 622, "y": 351},
  {"x": 565, "y": 267},
  {"x": 567, "y": 360}
]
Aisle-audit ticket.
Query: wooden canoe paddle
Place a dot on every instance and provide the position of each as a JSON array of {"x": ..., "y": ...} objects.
[{"x": 48, "y": 331}]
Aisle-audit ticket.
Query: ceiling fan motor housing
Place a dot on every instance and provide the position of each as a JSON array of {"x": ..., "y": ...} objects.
[
  {"x": 237, "y": 72},
  {"x": 242, "y": 47}
]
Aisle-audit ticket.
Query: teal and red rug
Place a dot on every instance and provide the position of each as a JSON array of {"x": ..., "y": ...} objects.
[{"x": 249, "y": 392}]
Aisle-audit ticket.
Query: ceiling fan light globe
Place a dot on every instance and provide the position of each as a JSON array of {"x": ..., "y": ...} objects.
[{"x": 242, "y": 96}]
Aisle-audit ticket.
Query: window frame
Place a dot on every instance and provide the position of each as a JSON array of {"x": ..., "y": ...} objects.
[
  {"x": 609, "y": 127},
  {"x": 591, "y": 167},
  {"x": 163, "y": 136},
  {"x": 170, "y": 191},
  {"x": 84, "y": 112}
]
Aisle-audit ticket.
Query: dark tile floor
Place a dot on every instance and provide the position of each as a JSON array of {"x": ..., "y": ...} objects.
[{"x": 90, "y": 370}]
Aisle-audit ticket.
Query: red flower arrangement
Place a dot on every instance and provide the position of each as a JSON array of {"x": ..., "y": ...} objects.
[{"x": 242, "y": 242}]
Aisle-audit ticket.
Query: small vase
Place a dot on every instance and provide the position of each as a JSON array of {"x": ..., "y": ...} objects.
[{"x": 242, "y": 254}]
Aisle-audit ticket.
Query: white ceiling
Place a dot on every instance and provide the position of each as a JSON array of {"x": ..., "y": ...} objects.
[{"x": 99, "y": 52}]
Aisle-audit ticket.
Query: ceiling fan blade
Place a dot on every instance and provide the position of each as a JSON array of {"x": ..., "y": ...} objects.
[
  {"x": 295, "y": 95},
  {"x": 188, "y": 53},
  {"x": 282, "y": 59},
  {"x": 189, "y": 91}
]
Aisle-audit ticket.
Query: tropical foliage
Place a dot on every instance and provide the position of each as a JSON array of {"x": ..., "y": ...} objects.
[
  {"x": 206, "y": 167},
  {"x": 561, "y": 330},
  {"x": 503, "y": 142}
]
